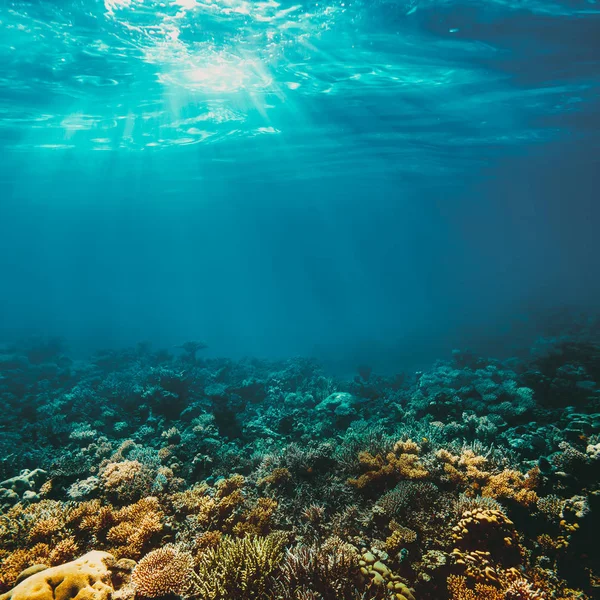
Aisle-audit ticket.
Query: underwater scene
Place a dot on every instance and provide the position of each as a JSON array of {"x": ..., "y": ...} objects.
[{"x": 300, "y": 300}]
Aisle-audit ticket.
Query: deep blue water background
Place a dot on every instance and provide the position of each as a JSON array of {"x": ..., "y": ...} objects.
[{"x": 366, "y": 182}]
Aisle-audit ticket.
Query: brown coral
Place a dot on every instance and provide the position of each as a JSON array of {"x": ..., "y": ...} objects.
[{"x": 276, "y": 478}]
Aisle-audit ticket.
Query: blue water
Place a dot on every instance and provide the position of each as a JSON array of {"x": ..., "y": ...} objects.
[{"x": 377, "y": 181}]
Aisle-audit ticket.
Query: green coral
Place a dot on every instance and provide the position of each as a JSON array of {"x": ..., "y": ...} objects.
[{"x": 241, "y": 568}]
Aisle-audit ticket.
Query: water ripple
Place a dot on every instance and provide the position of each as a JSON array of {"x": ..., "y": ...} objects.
[{"x": 404, "y": 83}]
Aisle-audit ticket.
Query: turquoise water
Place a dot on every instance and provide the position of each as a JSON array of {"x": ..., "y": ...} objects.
[{"x": 348, "y": 179}]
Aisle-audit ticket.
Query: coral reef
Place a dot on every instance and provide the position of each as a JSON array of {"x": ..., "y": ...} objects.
[{"x": 163, "y": 475}]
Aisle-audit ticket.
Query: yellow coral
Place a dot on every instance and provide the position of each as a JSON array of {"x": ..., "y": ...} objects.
[
  {"x": 400, "y": 537},
  {"x": 509, "y": 484},
  {"x": 403, "y": 463},
  {"x": 458, "y": 590},
  {"x": 87, "y": 578}
]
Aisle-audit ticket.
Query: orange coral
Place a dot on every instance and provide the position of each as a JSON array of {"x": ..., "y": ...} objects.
[
  {"x": 458, "y": 590},
  {"x": 64, "y": 551},
  {"x": 402, "y": 463},
  {"x": 509, "y": 484},
  {"x": 136, "y": 525},
  {"x": 166, "y": 571},
  {"x": 468, "y": 471}
]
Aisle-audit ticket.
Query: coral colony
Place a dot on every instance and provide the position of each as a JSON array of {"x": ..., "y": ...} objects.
[{"x": 141, "y": 474}]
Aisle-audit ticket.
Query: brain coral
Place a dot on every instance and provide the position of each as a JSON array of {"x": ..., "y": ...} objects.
[{"x": 87, "y": 578}]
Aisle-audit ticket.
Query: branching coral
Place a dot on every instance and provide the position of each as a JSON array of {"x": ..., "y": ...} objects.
[
  {"x": 126, "y": 481},
  {"x": 399, "y": 538},
  {"x": 385, "y": 471},
  {"x": 329, "y": 570},
  {"x": 239, "y": 568},
  {"x": 225, "y": 508},
  {"x": 510, "y": 588},
  {"x": 510, "y": 484},
  {"x": 278, "y": 477},
  {"x": 256, "y": 520},
  {"x": 136, "y": 526},
  {"x": 469, "y": 472}
]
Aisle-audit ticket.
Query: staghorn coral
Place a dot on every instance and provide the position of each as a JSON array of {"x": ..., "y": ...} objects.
[
  {"x": 328, "y": 570},
  {"x": 167, "y": 570},
  {"x": 239, "y": 568}
]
